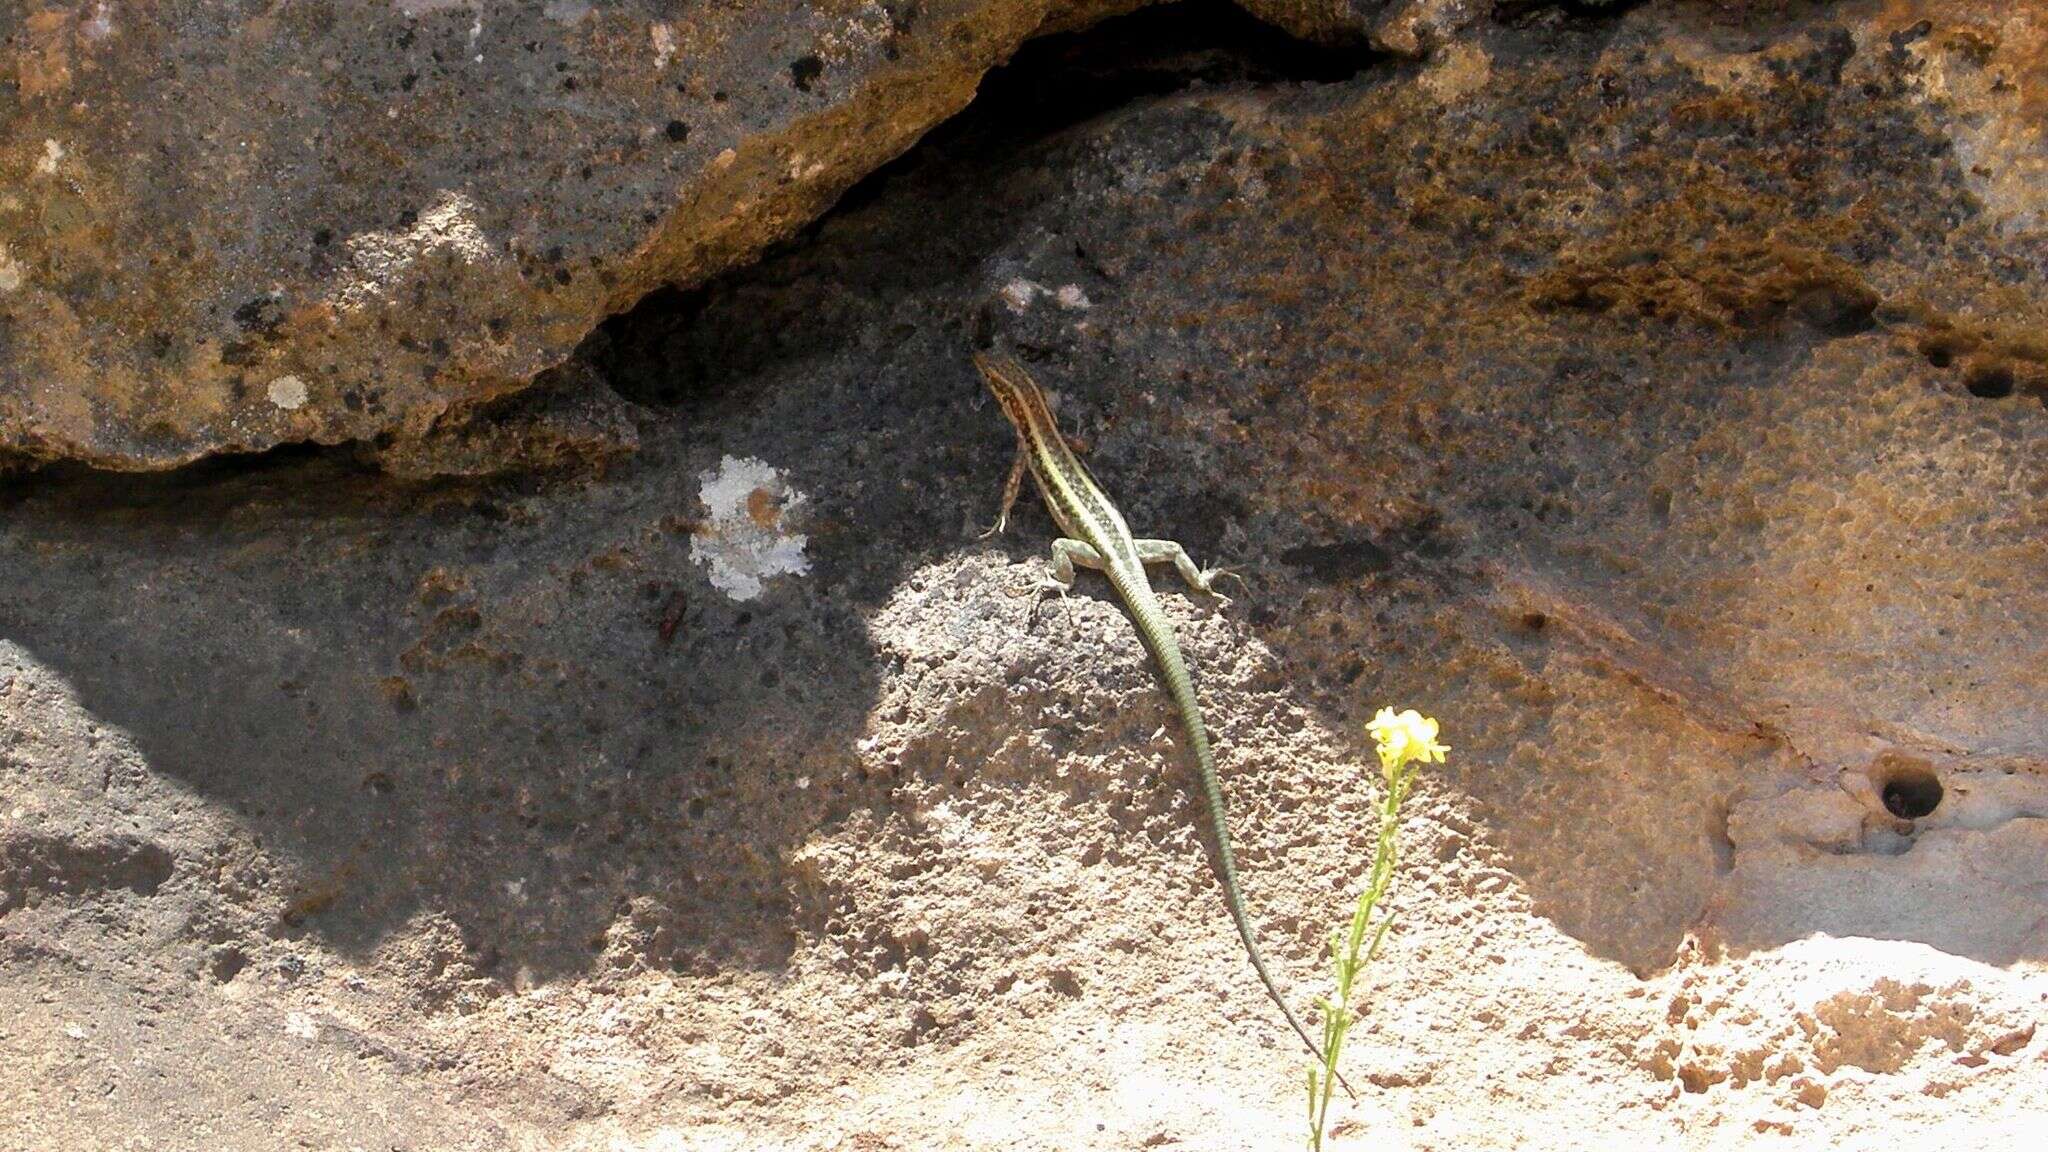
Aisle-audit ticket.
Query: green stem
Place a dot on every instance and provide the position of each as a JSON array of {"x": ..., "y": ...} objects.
[{"x": 1349, "y": 952}]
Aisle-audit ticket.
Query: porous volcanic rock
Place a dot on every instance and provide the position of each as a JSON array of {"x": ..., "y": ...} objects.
[
  {"x": 229, "y": 226},
  {"x": 1654, "y": 398}
]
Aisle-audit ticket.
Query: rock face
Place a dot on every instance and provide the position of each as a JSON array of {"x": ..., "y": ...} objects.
[
  {"x": 1654, "y": 398},
  {"x": 232, "y": 226}
]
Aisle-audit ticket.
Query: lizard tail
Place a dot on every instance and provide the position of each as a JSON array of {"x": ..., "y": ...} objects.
[
  {"x": 1181, "y": 688},
  {"x": 1234, "y": 896}
]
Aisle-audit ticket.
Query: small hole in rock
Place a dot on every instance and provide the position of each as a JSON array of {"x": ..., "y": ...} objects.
[
  {"x": 1910, "y": 791},
  {"x": 1839, "y": 309},
  {"x": 1990, "y": 381},
  {"x": 227, "y": 963}
]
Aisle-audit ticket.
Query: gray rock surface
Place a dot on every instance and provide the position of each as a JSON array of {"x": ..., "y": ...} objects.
[{"x": 1653, "y": 399}]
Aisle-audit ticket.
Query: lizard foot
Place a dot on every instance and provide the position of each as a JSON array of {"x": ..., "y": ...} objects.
[{"x": 1208, "y": 584}]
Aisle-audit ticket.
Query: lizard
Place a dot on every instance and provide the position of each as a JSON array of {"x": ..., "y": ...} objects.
[{"x": 1096, "y": 536}]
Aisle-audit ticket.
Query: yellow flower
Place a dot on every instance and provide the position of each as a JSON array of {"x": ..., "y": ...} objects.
[{"x": 1408, "y": 736}]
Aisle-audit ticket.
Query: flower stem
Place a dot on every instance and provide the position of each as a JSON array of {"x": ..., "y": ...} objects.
[{"x": 1350, "y": 948}]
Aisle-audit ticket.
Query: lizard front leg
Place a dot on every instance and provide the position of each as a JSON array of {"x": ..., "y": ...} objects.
[{"x": 1168, "y": 552}]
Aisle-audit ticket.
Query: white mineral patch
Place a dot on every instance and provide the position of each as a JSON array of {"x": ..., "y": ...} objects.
[
  {"x": 10, "y": 271},
  {"x": 383, "y": 260},
  {"x": 53, "y": 153},
  {"x": 1072, "y": 298},
  {"x": 664, "y": 39},
  {"x": 288, "y": 393},
  {"x": 567, "y": 11},
  {"x": 745, "y": 539},
  {"x": 1019, "y": 294},
  {"x": 422, "y": 7}
]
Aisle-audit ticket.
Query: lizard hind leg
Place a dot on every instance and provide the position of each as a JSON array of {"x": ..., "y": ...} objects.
[
  {"x": 1199, "y": 578},
  {"x": 1060, "y": 578},
  {"x": 1068, "y": 552}
]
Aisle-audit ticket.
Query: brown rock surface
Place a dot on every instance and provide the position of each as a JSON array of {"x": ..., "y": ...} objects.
[
  {"x": 1652, "y": 398},
  {"x": 231, "y": 226}
]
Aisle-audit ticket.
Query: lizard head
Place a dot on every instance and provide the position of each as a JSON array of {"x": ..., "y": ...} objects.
[{"x": 1012, "y": 387}]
